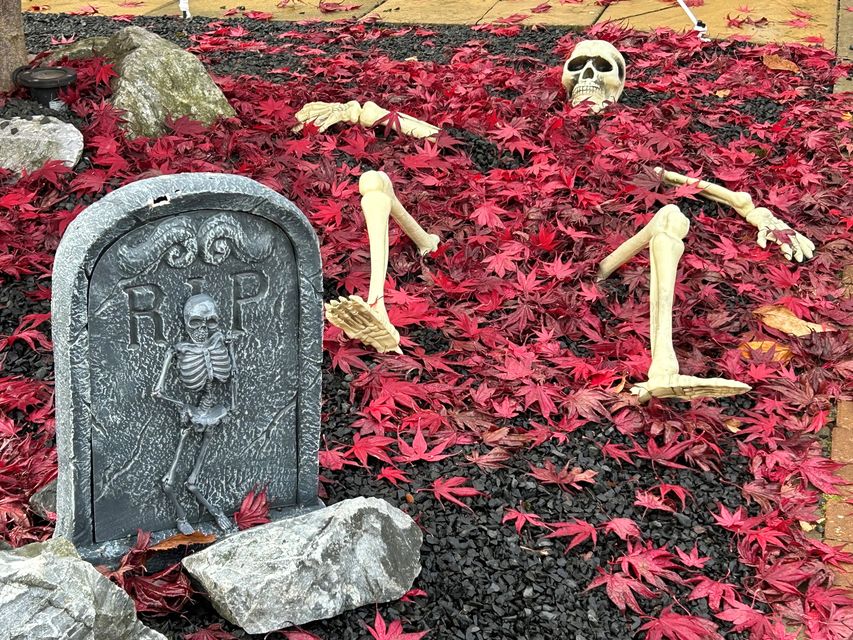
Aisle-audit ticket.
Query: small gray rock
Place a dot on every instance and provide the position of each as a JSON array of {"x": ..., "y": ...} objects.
[
  {"x": 156, "y": 79},
  {"x": 43, "y": 501},
  {"x": 26, "y": 145},
  {"x": 311, "y": 567},
  {"x": 48, "y": 592}
]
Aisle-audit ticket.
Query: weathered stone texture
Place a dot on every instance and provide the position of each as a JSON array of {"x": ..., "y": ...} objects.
[
  {"x": 48, "y": 593},
  {"x": 311, "y": 567},
  {"x": 27, "y": 144},
  {"x": 158, "y": 79}
]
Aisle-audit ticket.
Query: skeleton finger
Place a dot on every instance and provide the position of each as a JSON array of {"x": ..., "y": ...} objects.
[{"x": 807, "y": 245}]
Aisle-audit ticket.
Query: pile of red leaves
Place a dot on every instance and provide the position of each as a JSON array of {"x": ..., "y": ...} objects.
[{"x": 512, "y": 286}]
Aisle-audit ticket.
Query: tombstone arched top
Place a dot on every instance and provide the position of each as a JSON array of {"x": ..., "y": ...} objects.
[{"x": 122, "y": 273}]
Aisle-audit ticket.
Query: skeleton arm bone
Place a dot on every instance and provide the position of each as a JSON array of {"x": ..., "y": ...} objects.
[
  {"x": 378, "y": 181},
  {"x": 326, "y": 114},
  {"x": 793, "y": 245},
  {"x": 157, "y": 391}
]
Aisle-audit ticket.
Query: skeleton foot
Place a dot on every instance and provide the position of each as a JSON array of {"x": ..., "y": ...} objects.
[
  {"x": 223, "y": 521},
  {"x": 688, "y": 387},
  {"x": 364, "y": 323},
  {"x": 185, "y": 527}
]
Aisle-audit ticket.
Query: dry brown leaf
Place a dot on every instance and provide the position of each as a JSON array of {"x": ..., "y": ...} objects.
[
  {"x": 180, "y": 540},
  {"x": 778, "y": 63},
  {"x": 723, "y": 93},
  {"x": 733, "y": 425},
  {"x": 781, "y": 318},
  {"x": 781, "y": 353}
]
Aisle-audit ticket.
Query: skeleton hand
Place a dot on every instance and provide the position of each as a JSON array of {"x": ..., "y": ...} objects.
[
  {"x": 326, "y": 114},
  {"x": 793, "y": 245}
]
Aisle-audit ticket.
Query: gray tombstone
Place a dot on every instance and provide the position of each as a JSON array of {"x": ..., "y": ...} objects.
[{"x": 187, "y": 323}]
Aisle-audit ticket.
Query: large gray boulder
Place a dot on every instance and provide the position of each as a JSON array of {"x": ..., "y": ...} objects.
[
  {"x": 311, "y": 567},
  {"x": 47, "y": 592},
  {"x": 84, "y": 48},
  {"x": 26, "y": 144},
  {"x": 157, "y": 79}
]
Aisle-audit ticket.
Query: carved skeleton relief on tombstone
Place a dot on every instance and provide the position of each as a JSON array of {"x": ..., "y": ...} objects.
[
  {"x": 202, "y": 364},
  {"x": 594, "y": 72},
  {"x": 188, "y": 327}
]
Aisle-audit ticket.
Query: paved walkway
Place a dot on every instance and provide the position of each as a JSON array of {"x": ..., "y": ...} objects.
[{"x": 827, "y": 22}]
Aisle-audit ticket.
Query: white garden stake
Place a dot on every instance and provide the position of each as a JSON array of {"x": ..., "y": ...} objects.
[
  {"x": 793, "y": 245},
  {"x": 325, "y": 114},
  {"x": 663, "y": 235}
]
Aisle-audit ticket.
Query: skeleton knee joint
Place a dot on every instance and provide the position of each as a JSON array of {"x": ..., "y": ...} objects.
[
  {"x": 191, "y": 486},
  {"x": 168, "y": 483}
]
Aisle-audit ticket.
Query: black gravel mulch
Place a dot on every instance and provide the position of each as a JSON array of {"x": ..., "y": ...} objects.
[{"x": 483, "y": 580}]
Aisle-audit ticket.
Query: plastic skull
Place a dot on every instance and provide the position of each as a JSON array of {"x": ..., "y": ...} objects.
[
  {"x": 595, "y": 72},
  {"x": 200, "y": 317}
]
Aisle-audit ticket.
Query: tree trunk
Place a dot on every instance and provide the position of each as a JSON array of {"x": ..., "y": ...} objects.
[{"x": 13, "y": 50}]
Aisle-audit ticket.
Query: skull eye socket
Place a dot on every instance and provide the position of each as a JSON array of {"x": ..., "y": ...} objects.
[
  {"x": 576, "y": 64},
  {"x": 601, "y": 64},
  {"x": 196, "y": 323},
  {"x": 212, "y": 322}
]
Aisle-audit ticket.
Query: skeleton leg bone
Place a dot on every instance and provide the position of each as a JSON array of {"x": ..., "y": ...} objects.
[
  {"x": 368, "y": 321},
  {"x": 326, "y": 114},
  {"x": 169, "y": 482},
  {"x": 378, "y": 181},
  {"x": 222, "y": 521},
  {"x": 793, "y": 245},
  {"x": 664, "y": 236}
]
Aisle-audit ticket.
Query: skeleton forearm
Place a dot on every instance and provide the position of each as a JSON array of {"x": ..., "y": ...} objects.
[
  {"x": 325, "y": 114},
  {"x": 770, "y": 228}
]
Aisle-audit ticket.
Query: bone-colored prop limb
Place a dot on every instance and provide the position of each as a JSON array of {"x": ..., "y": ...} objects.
[
  {"x": 664, "y": 236},
  {"x": 368, "y": 321},
  {"x": 371, "y": 113},
  {"x": 633, "y": 245},
  {"x": 325, "y": 114},
  {"x": 379, "y": 181},
  {"x": 793, "y": 245}
]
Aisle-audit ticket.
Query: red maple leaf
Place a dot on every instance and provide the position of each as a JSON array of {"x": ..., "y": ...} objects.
[
  {"x": 212, "y": 632},
  {"x": 621, "y": 590},
  {"x": 364, "y": 447},
  {"x": 625, "y": 528},
  {"x": 522, "y": 518},
  {"x": 564, "y": 478},
  {"x": 394, "y": 631},
  {"x": 675, "y": 626},
  {"x": 419, "y": 450},
  {"x": 579, "y": 530},
  {"x": 254, "y": 510},
  {"x": 451, "y": 490},
  {"x": 648, "y": 563}
]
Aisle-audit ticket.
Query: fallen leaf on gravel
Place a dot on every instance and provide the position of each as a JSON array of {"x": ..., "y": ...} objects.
[
  {"x": 783, "y": 319},
  {"x": 180, "y": 540},
  {"x": 781, "y": 353},
  {"x": 778, "y": 63}
]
